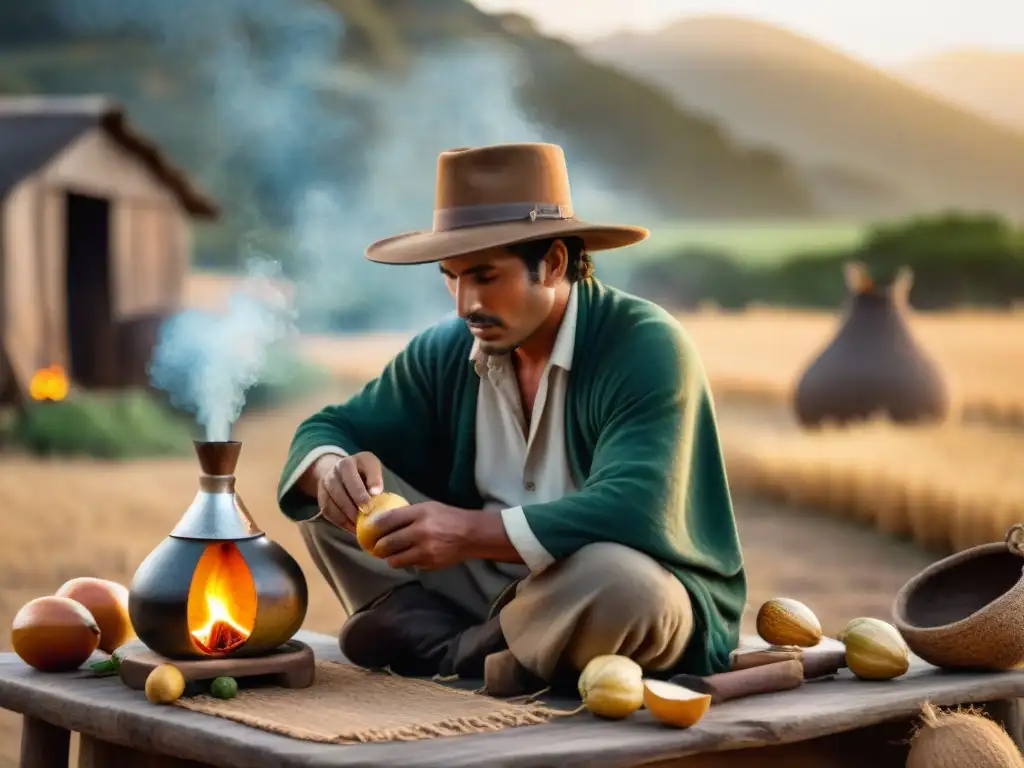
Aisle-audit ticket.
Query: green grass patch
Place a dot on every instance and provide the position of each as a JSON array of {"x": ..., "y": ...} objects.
[
  {"x": 138, "y": 424},
  {"x": 108, "y": 425},
  {"x": 287, "y": 376},
  {"x": 754, "y": 242}
]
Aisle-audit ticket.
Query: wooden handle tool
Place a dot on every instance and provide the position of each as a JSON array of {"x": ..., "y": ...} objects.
[
  {"x": 819, "y": 661},
  {"x": 767, "y": 678}
]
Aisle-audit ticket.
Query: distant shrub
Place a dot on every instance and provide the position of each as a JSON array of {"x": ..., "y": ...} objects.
[
  {"x": 287, "y": 376},
  {"x": 109, "y": 425},
  {"x": 957, "y": 260}
]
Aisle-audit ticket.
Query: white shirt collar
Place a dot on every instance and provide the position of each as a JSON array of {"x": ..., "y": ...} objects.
[{"x": 565, "y": 341}]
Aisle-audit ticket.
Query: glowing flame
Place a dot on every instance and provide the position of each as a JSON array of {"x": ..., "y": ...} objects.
[
  {"x": 221, "y": 632},
  {"x": 49, "y": 384},
  {"x": 223, "y": 600}
]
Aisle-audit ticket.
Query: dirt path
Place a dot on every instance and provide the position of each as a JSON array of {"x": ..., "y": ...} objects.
[{"x": 101, "y": 519}]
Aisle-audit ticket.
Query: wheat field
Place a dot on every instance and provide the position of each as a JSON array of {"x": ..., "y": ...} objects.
[
  {"x": 763, "y": 351},
  {"x": 946, "y": 486},
  {"x": 80, "y": 517}
]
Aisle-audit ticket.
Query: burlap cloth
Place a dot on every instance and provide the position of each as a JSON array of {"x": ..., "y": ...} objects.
[{"x": 350, "y": 705}]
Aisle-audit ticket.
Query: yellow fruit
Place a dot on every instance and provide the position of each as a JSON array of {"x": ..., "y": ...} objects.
[
  {"x": 961, "y": 740},
  {"x": 612, "y": 686},
  {"x": 848, "y": 626},
  {"x": 875, "y": 650},
  {"x": 366, "y": 535},
  {"x": 164, "y": 684},
  {"x": 107, "y": 601},
  {"x": 675, "y": 705},
  {"x": 54, "y": 634},
  {"x": 783, "y": 621}
]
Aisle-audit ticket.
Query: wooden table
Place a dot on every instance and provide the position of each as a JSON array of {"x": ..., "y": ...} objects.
[{"x": 826, "y": 718}]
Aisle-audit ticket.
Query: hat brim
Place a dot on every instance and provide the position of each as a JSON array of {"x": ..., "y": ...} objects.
[{"x": 426, "y": 246}]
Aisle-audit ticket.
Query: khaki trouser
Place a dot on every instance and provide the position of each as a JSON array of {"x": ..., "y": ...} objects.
[{"x": 604, "y": 598}]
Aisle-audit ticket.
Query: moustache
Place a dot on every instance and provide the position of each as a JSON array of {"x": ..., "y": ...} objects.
[{"x": 478, "y": 320}]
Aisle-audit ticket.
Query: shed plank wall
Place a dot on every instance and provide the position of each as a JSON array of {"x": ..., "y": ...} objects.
[{"x": 150, "y": 242}]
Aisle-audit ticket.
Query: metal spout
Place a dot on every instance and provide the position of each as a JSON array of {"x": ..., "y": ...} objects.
[
  {"x": 217, "y": 457},
  {"x": 216, "y": 512}
]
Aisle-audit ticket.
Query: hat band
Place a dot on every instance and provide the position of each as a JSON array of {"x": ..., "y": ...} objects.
[{"x": 461, "y": 216}]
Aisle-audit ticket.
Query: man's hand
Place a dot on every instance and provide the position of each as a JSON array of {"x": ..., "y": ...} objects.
[
  {"x": 429, "y": 535},
  {"x": 345, "y": 484}
]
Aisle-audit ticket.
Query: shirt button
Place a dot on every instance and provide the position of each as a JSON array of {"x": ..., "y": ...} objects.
[{"x": 529, "y": 486}]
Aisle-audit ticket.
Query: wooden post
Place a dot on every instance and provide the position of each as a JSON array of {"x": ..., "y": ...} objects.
[{"x": 43, "y": 745}]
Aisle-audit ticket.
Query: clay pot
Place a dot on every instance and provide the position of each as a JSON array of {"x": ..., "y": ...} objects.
[
  {"x": 967, "y": 610},
  {"x": 873, "y": 365}
]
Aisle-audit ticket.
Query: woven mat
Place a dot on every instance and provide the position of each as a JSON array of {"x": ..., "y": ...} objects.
[{"x": 350, "y": 705}]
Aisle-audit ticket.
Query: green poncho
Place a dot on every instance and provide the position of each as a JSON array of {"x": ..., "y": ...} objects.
[{"x": 641, "y": 438}]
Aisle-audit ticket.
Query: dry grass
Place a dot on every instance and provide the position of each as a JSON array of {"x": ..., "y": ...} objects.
[
  {"x": 758, "y": 353},
  {"x": 72, "y": 518},
  {"x": 947, "y": 487},
  {"x": 764, "y": 351},
  {"x": 761, "y": 353},
  {"x": 76, "y": 518}
]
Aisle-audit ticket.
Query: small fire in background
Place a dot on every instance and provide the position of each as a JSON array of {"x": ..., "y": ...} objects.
[{"x": 49, "y": 384}]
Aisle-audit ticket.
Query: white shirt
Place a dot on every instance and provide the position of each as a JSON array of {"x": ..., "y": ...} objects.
[{"x": 517, "y": 463}]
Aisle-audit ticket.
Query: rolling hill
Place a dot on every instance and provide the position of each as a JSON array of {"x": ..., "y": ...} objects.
[
  {"x": 266, "y": 100},
  {"x": 990, "y": 83},
  {"x": 862, "y": 136}
]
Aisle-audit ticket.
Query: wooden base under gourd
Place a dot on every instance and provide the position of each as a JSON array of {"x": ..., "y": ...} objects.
[{"x": 292, "y": 665}]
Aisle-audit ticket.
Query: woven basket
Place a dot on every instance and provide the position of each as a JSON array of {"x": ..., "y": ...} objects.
[{"x": 967, "y": 611}]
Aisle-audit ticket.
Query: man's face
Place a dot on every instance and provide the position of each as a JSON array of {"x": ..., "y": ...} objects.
[{"x": 501, "y": 302}]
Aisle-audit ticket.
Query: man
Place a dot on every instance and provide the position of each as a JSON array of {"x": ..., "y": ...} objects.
[{"x": 557, "y": 444}]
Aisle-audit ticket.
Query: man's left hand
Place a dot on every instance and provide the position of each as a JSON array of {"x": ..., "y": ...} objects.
[{"x": 429, "y": 536}]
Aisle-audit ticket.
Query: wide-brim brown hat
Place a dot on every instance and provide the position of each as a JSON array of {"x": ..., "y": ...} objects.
[{"x": 492, "y": 196}]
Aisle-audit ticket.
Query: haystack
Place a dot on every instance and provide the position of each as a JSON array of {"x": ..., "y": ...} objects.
[{"x": 874, "y": 365}]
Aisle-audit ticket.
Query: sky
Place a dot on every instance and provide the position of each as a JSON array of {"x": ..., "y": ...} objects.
[{"x": 882, "y": 31}]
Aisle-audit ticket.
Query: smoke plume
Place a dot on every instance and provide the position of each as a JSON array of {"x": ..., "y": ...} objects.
[
  {"x": 207, "y": 360},
  {"x": 343, "y": 156}
]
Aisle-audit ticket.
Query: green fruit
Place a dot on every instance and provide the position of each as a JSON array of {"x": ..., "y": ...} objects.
[{"x": 224, "y": 687}]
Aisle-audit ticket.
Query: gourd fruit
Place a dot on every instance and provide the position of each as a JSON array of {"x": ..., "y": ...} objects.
[
  {"x": 673, "y": 704},
  {"x": 366, "y": 533},
  {"x": 783, "y": 621},
  {"x": 849, "y": 625},
  {"x": 164, "y": 684},
  {"x": 224, "y": 688},
  {"x": 875, "y": 650},
  {"x": 54, "y": 634},
  {"x": 612, "y": 686},
  {"x": 107, "y": 601}
]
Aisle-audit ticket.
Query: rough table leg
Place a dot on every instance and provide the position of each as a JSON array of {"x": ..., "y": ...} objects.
[
  {"x": 43, "y": 745},
  {"x": 94, "y": 753}
]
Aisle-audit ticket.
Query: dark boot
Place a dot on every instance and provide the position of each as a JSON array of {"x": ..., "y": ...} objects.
[
  {"x": 408, "y": 629},
  {"x": 466, "y": 652}
]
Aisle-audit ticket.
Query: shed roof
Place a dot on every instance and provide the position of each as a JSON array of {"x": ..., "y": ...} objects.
[{"x": 34, "y": 129}]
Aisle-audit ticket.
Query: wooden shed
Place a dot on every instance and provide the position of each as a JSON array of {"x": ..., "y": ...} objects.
[{"x": 95, "y": 242}]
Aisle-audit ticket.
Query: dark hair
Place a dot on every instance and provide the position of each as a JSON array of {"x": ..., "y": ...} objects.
[{"x": 580, "y": 267}]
